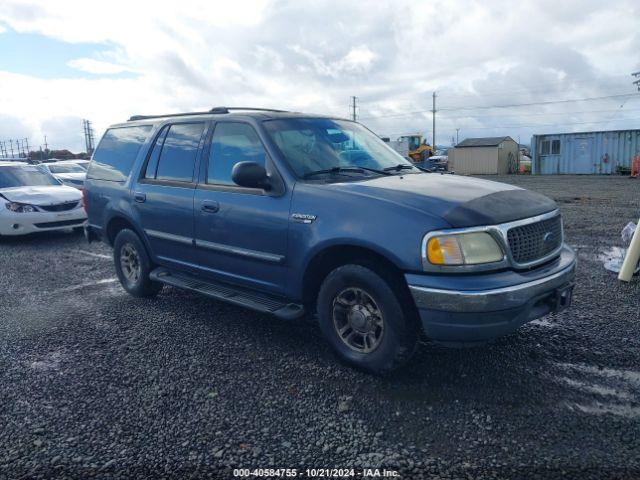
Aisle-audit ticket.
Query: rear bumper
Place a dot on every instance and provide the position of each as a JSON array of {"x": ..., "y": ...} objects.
[{"x": 486, "y": 306}]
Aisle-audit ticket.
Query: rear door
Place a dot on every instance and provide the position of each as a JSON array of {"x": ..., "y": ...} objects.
[
  {"x": 163, "y": 196},
  {"x": 241, "y": 233}
]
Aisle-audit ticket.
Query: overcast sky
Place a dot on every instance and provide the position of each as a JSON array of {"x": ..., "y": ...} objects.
[{"x": 106, "y": 60}]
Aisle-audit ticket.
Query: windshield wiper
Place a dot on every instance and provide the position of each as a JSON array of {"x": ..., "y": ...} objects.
[
  {"x": 399, "y": 167},
  {"x": 345, "y": 169}
]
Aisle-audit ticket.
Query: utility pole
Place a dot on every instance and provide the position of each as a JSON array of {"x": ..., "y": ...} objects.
[
  {"x": 457, "y": 138},
  {"x": 91, "y": 140},
  {"x": 26, "y": 141},
  {"x": 11, "y": 146},
  {"x": 354, "y": 115},
  {"x": 637, "y": 82},
  {"x": 88, "y": 136},
  {"x": 433, "y": 114}
]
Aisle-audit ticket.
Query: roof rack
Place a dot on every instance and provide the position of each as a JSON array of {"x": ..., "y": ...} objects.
[{"x": 214, "y": 110}]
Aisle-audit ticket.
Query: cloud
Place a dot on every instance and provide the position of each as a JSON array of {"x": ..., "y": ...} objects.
[
  {"x": 313, "y": 56},
  {"x": 90, "y": 65}
]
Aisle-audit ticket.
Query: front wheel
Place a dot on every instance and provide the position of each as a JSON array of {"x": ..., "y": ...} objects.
[
  {"x": 133, "y": 265},
  {"x": 363, "y": 320}
]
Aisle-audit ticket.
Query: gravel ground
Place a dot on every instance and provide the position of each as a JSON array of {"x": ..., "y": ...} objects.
[{"x": 94, "y": 383}]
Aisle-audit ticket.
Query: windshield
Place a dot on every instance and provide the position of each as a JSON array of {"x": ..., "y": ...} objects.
[
  {"x": 317, "y": 144},
  {"x": 68, "y": 168},
  {"x": 25, "y": 176}
]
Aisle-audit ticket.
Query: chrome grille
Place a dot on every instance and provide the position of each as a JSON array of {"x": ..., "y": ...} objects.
[
  {"x": 60, "y": 207},
  {"x": 533, "y": 241}
]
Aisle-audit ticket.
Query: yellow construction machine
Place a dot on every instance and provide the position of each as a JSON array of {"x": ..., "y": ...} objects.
[{"x": 413, "y": 146}]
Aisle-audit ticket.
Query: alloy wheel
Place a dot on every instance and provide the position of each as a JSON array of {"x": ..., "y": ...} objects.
[
  {"x": 357, "y": 320},
  {"x": 130, "y": 263}
]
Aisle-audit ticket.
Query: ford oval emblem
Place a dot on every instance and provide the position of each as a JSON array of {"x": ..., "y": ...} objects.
[{"x": 549, "y": 239}]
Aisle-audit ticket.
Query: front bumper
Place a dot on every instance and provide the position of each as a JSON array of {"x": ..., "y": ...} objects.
[
  {"x": 12, "y": 223},
  {"x": 475, "y": 308}
]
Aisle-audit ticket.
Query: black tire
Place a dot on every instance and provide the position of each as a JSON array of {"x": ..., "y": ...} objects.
[
  {"x": 399, "y": 326},
  {"x": 139, "y": 285}
]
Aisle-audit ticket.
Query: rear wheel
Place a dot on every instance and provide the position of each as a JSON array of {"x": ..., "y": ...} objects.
[
  {"x": 133, "y": 265},
  {"x": 362, "y": 318}
]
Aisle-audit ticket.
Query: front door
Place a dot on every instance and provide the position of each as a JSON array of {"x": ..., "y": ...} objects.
[
  {"x": 164, "y": 193},
  {"x": 583, "y": 161},
  {"x": 241, "y": 233}
]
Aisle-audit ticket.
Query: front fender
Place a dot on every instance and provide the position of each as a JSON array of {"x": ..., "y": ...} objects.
[{"x": 340, "y": 218}]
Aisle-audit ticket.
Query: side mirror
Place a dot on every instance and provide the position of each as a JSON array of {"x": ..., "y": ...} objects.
[{"x": 250, "y": 175}]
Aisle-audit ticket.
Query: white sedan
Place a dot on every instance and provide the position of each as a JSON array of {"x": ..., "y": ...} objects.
[
  {"x": 69, "y": 173},
  {"x": 32, "y": 200}
]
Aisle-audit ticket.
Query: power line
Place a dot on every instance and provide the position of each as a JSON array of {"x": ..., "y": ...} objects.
[
  {"x": 532, "y": 125},
  {"x": 513, "y": 105},
  {"x": 550, "y": 102},
  {"x": 533, "y": 88},
  {"x": 540, "y": 114}
]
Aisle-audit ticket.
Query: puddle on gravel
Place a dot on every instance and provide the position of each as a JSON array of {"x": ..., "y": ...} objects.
[
  {"x": 49, "y": 362},
  {"x": 601, "y": 409},
  {"x": 544, "y": 322},
  {"x": 85, "y": 285},
  {"x": 595, "y": 388},
  {"x": 630, "y": 376},
  {"x": 610, "y": 257},
  {"x": 620, "y": 392},
  {"x": 97, "y": 255}
]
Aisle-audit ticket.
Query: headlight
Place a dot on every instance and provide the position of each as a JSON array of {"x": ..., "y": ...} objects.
[
  {"x": 463, "y": 249},
  {"x": 20, "y": 207}
]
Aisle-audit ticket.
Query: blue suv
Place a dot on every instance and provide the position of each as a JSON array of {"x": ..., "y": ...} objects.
[{"x": 293, "y": 214}]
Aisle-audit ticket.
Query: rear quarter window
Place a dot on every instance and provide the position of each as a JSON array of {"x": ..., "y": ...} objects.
[{"x": 117, "y": 151}]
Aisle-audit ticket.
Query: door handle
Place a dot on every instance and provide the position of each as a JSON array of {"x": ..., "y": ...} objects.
[
  {"x": 210, "y": 206},
  {"x": 139, "y": 197}
]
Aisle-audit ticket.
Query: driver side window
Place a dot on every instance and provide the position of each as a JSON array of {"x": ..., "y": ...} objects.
[{"x": 232, "y": 143}]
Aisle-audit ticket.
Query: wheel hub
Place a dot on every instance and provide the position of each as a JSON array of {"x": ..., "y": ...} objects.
[{"x": 358, "y": 320}]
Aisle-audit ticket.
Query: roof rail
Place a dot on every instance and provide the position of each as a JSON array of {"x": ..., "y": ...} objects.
[{"x": 214, "y": 110}]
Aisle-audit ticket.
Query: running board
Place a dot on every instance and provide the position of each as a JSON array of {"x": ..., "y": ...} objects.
[{"x": 229, "y": 293}]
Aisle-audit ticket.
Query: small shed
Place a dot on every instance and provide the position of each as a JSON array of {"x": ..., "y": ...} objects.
[
  {"x": 484, "y": 156},
  {"x": 602, "y": 152}
]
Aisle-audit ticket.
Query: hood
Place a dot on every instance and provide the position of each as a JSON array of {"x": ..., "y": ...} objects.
[
  {"x": 461, "y": 201},
  {"x": 45, "y": 195}
]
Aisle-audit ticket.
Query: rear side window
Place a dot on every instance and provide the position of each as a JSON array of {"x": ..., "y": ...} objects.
[
  {"x": 117, "y": 151},
  {"x": 154, "y": 156},
  {"x": 178, "y": 152},
  {"x": 232, "y": 143}
]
